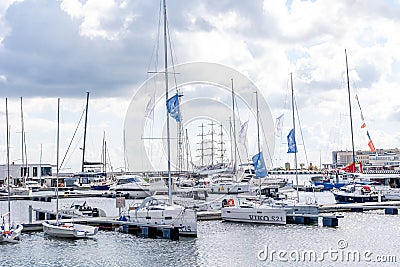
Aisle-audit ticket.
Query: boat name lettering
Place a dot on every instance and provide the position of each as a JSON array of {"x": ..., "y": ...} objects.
[{"x": 266, "y": 218}]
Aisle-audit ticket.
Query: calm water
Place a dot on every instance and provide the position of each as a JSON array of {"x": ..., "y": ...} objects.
[{"x": 218, "y": 244}]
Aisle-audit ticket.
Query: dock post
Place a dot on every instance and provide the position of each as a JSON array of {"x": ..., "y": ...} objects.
[
  {"x": 330, "y": 222},
  {"x": 356, "y": 210},
  {"x": 391, "y": 211},
  {"x": 171, "y": 233},
  {"x": 30, "y": 209}
]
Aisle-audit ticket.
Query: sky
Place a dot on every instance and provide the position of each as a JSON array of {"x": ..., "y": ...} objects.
[{"x": 63, "y": 49}]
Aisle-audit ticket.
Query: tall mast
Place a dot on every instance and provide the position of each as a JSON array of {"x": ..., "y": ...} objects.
[
  {"x": 84, "y": 132},
  {"x": 351, "y": 118},
  {"x": 8, "y": 165},
  {"x": 234, "y": 129},
  {"x": 294, "y": 130},
  {"x": 166, "y": 99},
  {"x": 58, "y": 152},
  {"x": 24, "y": 170},
  {"x": 222, "y": 144}
]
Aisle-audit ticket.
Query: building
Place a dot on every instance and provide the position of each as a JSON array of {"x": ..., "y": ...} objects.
[
  {"x": 32, "y": 171},
  {"x": 381, "y": 159}
]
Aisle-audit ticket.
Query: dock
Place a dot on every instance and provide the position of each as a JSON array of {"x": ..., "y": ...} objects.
[{"x": 348, "y": 207}]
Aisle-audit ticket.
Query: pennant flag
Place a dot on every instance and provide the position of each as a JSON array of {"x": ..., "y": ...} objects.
[
  {"x": 243, "y": 132},
  {"x": 350, "y": 168},
  {"x": 149, "y": 113},
  {"x": 279, "y": 125},
  {"x": 371, "y": 146},
  {"x": 363, "y": 125},
  {"x": 292, "y": 148},
  {"x": 259, "y": 165},
  {"x": 173, "y": 107}
]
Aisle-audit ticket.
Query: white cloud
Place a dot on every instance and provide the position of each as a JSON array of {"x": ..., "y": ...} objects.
[{"x": 105, "y": 19}]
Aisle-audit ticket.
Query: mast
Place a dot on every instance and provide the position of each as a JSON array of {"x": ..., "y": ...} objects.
[
  {"x": 234, "y": 129},
  {"x": 212, "y": 142},
  {"x": 58, "y": 149},
  {"x": 258, "y": 137},
  {"x": 84, "y": 132},
  {"x": 294, "y": 130},
  {"x": 222, "y": 144},
  {"x": 351, "y": 117},
  {"x": 8, "y": 166},
  {"x": 24, "y": 170},
  {"x": 258, "y": 124},
  {"x": 166, "y": 99}
]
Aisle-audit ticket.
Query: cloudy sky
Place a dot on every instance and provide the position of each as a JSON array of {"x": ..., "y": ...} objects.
[{"x": 51, "y": 49}]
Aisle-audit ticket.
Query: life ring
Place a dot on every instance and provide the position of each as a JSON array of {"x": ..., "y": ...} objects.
[{"x": 231, "y": 202}]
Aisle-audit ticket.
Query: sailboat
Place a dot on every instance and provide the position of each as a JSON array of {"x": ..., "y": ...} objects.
[
  {"x": 154, "y": 211},
  {"x": 355, "y": 192},
  {"x": 253, "y": 211},
  {"x": 9, "y": 231},
  {"x": 64, "y": 229}
]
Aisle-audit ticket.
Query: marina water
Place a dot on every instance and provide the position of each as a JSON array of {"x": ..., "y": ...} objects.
[{"x": 362, "y": 239}]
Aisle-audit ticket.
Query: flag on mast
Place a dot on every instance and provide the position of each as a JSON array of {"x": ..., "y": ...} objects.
[
  {"x": 173, "y": 107},
  {"x": 243, "y": 132},
  {"x": 279, "y": 125},
  {"x": 259, "y": 165},
  {"x": 292, "y": 148}
]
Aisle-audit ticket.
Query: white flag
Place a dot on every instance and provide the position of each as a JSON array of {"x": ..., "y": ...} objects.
[
  {"x": 149, "y": 113},
  {"x": 243, "y": 132},
  {"x": 279, "y": 125}
]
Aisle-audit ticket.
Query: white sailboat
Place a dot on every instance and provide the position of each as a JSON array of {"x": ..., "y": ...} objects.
[
  {"x": 154, "y": 211},
  {"x": 253, "y": 211},
  {"x": 63, "y": 229},
  {"x": 10, "y": 232}
]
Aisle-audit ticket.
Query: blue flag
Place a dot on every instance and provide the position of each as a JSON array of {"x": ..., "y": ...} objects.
[
  {"x": 173, "y": 107},
  {"x": 292, "y": 148},
  {"x": 259, "y": 166}
]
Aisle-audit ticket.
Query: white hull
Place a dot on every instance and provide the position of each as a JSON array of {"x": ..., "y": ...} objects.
[
  {"x": 69, "y": 230},
  {"x": 156, "y": 212},
  {"x": 257, "y": 214},
  {"x": 230, "y": 188}
]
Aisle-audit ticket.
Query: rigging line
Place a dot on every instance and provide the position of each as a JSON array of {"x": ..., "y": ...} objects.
[
  {"x": 73, "y": 136},
  {"x": 157, "y": 44},
  {"x": 172, "y": 56},
  {"x": 301, "y": 130}
]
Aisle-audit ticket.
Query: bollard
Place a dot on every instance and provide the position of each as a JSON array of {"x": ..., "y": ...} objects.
[{"x": 30, "y": 209}]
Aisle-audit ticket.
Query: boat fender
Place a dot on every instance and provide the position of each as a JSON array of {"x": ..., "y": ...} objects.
[{"x": 231, "y": 202}]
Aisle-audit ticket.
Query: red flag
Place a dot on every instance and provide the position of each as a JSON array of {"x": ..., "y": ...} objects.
[
  {"x": 350, "y": 168},
  {"x": 371, "y": 146},
  {"x": 363, "y": 125}
]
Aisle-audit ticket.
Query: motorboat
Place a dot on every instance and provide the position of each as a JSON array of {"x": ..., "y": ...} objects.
[
  {"x": 356, "y": 193},
  {"x": 133, "y": 186},
  {"x": 158, "y": 211},
  {"x": 32, "y": 185},
  {"x": 226, "y": 184}
]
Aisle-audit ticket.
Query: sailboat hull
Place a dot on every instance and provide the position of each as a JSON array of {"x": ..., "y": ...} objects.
[
  {"x": 69, "y": 230},
  {"x": 260, "y": 214}
]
